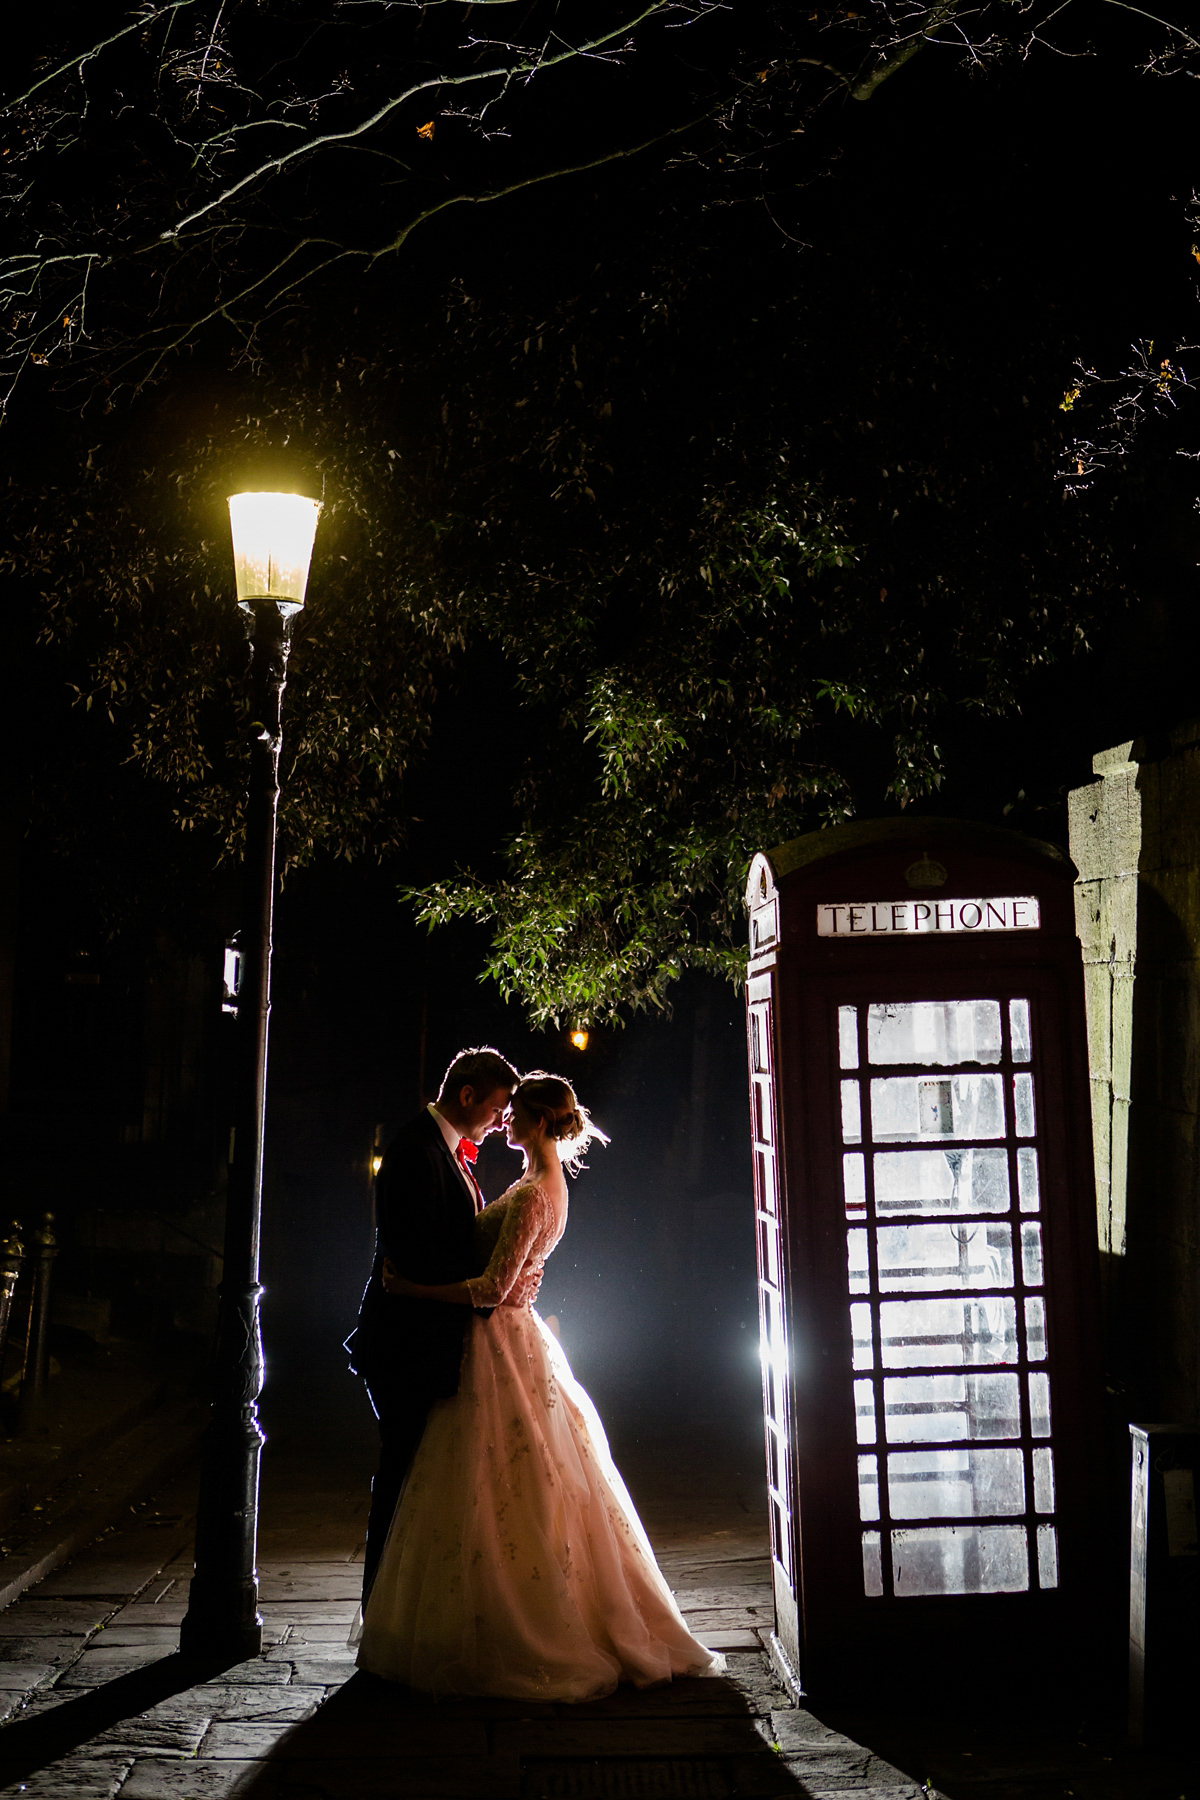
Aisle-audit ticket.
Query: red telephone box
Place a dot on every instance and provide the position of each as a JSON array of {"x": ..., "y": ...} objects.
[{"x": 928, "y": 1270}]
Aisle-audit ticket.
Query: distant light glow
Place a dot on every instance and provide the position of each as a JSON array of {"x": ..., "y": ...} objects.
[
  {"x": 376, "y": 1164},
  {"x": 579, "y": 1040},
  {"x": 272, "y": 546}
]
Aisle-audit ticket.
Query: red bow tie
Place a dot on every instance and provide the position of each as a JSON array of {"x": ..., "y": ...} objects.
[{"x": 467, "y": 1151}]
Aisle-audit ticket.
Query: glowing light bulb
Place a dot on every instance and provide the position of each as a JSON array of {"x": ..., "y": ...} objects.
[
  {"x": 579, "y": 1040},
  {"x": 272, "y": 547},
  {"x": 376, "y": 1163}
]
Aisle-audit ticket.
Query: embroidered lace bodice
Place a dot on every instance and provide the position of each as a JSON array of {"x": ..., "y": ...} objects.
[{"x": 517, "y": 1232}]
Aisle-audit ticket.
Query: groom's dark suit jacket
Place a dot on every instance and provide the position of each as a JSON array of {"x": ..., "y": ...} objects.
[{"x": 425, "y": 1222}]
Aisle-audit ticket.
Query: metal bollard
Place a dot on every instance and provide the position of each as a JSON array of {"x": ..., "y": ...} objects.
[
  {"x": 12, "y": 1253},
  {"x": 35, "y": 1378}
]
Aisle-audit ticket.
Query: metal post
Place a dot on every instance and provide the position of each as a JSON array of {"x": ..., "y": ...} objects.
[
  {"x": 222, "y": 1619},
  {"x": 35, "y": 1377},
  {"x": 12, "y": 1254}
]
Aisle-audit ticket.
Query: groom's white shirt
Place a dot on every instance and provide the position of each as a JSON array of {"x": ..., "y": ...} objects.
[{"x": 453, "y": 1140}]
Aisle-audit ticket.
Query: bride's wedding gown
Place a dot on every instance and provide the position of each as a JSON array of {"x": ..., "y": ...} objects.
[{"x": 516, "y": 1563}]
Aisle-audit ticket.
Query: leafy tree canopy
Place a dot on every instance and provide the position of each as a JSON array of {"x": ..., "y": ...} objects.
[{"x": 748, "y": 534}]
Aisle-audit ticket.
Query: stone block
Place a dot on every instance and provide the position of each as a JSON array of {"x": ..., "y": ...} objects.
[
  {"x": 752, "y": 1598},
  {"x": 834, "y": 1769},
  {"x": 39, "y": 1649},
  {"x": 344, "y": 1586},
  {"x": 115, "y": 1580},
  {"x": 1087, "y": 919},
  {"x": 121, "y": 1634},
  {"x": 1105, "y": 825},
  {"x": 1121, "y": 1001},
  {"x": 898, "y": 1790},
  {"x": 234, "y": 1701},
  {"x": 1118, "y": 1178},
  {"x": 166, "y": 1730},
  {"x": 20, "y": 1677},
  {"x": 78, "y": 1777},
  {"x": 333, "y": 1633},
  {"x": 97, "y": 1666},
  {"x": 1118, "y": 923},
  {"x": 795, "y": 1729},
  {"x": 47, "y": 1618},
  {"x": 729, "y": 1618},
  {"x": 257, "y": 1672},
  {"x": 321, "y": 1670},
  {"x": 1097, "y": 993},
  {"x": 160, "y": 1779},
  {"x": 342, "y": 1612}
]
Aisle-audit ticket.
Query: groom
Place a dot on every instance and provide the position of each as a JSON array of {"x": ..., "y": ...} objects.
[{"x": 408, "y": 1352}]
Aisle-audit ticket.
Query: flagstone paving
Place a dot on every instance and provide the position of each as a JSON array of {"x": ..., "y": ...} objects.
[{"x": 98, "y": 1703}]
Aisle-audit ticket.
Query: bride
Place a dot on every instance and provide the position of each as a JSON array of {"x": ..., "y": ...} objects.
[{"x": 516, "y": 1564}]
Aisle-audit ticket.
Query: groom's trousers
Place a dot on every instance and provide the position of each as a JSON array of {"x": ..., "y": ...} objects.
[{"x": 402, "y": 1415}]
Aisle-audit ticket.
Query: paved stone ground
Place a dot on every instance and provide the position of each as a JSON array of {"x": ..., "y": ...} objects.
[{"x": 98, "y": 1703}]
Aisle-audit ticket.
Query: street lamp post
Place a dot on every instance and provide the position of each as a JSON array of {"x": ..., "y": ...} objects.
[{"x": 272, "y": 547}]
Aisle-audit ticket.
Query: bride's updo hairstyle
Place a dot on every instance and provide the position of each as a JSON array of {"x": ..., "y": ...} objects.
[{"x": 568, "y": 1124}]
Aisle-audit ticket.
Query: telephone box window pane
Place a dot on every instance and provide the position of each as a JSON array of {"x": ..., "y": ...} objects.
[
  {"x": 954, "y": 1484},
  {"x": 864, "y": 1337},
  {"x": 851, "y": 1113},
  {"x": 864, "y": 1407},
  {"x": 1023, "y": 1098},
  {"x": 941, "y": 1181},
  {"x": 1018, "y": 1025},
  {"x": 921, "y": 1408},
  {"x": 1031, "y": 1255},
  {"x": 1039, "y": 1405},
  {"x": 768, "y": 1252},
  {"x": 1035, "y": 1329},
  {"x": 766, "y": 1180},
  {"x": 1043, "y": 1481},
  {"x": 907, "y": 1108},
  {"x": 868, "y": 1488},
  {"x": 934, "y": 1031},
  {"x": 854, "y": 1184},
  {"x": 937, "y": 1333},
  {"x": 760, "y": 1039},
  {"x": 762, "y": 1112},
  {"x": 848, "y": 1036},
  {"x": 1047, "y": 1540},
  {"x": 960, "y": 1559},
  {"x": 1027, "y": 1180},
  {"x": 856, "y": 1251},
  {"x": 872, "y": 1564},
  {"x": 943, "y": 1256}
]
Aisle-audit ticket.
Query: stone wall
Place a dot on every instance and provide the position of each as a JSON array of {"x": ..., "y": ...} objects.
[{"x": 1135, "y": 839}]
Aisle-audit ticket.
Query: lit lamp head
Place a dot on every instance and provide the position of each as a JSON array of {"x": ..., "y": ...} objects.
[
  {"x": 272, "y": 547},
  {"x": 579, "y": 1039}
]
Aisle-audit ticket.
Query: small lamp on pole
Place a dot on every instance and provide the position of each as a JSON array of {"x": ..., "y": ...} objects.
[{"x": 272, "y": 548}]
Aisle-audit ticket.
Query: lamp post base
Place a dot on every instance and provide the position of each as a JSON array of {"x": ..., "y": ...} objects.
[{"x": 215, "y": 1641}]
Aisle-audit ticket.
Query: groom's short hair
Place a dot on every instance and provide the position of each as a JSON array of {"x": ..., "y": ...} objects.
[{"x": 484, "y": 1070}]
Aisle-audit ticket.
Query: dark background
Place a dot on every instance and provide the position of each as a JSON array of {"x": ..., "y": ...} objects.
[{"x": 958, "y": 242}]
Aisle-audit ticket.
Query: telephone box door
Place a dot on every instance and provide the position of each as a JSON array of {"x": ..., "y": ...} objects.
[{"x": 931, "y": 1359}]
